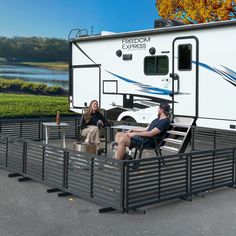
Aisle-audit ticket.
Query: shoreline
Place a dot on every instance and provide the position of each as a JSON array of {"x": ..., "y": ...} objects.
[{"x": 61, "y": 66}]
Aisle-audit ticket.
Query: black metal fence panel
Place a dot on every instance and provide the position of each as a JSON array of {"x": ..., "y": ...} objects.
[
  {"x": 15, "y": 154},
  {"x": 153, "y": 180},
  {"x": 54, "y": 167},
  {"x": 33, "y": 128},
  {"x": 11, "y": 128},
  {"x": 80, "y": 171},
  {"x": 3, "y": 151},
  {"x": 207, "y": 139},
  {"x": 108, "y": 182},
  {"x": 96, "y": 178},
  {"x": 212, "y": 169},
  {"x": 30, "y": 130},
  {"x": 34, "y": 166}
]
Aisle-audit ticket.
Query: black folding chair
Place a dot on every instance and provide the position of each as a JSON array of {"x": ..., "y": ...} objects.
[{"x": 156, "y": 147}]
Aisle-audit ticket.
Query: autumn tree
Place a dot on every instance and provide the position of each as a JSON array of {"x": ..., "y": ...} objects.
[{"x": 197, "y": 11}]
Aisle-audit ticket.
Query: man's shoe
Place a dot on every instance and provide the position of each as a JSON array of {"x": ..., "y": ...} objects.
[
  {"x": 113, "y": 145},
  {"x": 127, "y": 157}
]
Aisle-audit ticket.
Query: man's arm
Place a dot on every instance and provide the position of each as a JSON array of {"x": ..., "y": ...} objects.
[
  {"x": 152, "y": 133},
  {"x": 141, "y": 129}
]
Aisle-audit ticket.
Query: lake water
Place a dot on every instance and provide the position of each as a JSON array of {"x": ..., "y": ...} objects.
[{"x": 36, "y": 75}]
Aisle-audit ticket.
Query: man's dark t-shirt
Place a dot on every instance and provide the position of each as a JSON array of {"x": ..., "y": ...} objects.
[{"x": 161, "y": 124}]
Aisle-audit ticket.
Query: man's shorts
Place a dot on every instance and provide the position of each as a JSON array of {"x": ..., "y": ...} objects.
[{"x": 137, "y": 142}]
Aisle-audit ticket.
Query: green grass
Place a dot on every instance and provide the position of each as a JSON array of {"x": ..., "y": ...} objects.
[
  {"x": 21, "y": 105},
  {"x": 58, "y": 65}
]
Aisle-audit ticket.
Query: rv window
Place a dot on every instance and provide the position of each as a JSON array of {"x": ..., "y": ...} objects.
[
  {"x": 156, "y": 65},
  {"x": 185, "y": 57}
]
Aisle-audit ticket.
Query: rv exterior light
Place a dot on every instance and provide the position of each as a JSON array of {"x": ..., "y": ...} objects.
[
  {"x": 152, "y": 50},
  {"x": 118, "y": 53}
]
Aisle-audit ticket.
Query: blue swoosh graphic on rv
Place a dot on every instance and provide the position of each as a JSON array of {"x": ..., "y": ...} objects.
[
  {"x": 226, "y": 73},
  {"x": 144, "y": 87}
]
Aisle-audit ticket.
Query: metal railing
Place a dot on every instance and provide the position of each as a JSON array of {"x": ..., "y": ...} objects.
[
  {"x": 123, "y": 185},
  {"x": 95, "y": 178},
  {"x": 207, "y": 138},
  {"x": 33, "y": 128}
]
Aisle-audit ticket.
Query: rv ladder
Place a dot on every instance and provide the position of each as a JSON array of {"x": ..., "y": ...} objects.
[{"x": 178, "y": 136}]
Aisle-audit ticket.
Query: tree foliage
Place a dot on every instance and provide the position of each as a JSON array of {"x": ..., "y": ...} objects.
[
  {"x": 197, "y": 11},
  {"x": 34, "y": 49}
]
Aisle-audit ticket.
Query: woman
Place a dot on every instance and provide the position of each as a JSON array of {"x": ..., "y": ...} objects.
[{"x": 90, "y": 123}]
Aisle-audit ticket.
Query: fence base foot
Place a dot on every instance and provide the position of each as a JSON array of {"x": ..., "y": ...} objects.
[
  {"x": 186, "y": 198},
  {"x": 106, "y": 209},
  {"x": 140, "y": 211},
  {"x": 63, "y": 194},
  {"x": 23, "y": 179},
  {"x": 202, "y": 195},
  {"x": 232, "y": 186},
  {"x": 13, "y": 175},
  {"x": 53, "y": 190}
]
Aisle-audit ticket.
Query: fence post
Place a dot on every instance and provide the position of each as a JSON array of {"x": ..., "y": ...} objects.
[
  {"x": 43, "y": 163},
  {"x": 126, "y": 186},
  {"x": 21, "y": 124},
  {"x": 6, "y": 153},
  {"x": 234, "y": 167},
  {"x": 213, "y": 170},
  {"x": 189, "y": 173},
  {"x": 40, "y": 131},
  {"x": 24, "y": 158},
  {"x": 122, "y": 192},
  {"x": 91, "y": 177},
  {"x": 192, "y": 142},
  {"x": 65, "y": 170}
]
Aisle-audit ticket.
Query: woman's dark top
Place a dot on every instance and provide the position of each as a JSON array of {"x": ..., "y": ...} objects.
[{"x": 95, "y": 117}]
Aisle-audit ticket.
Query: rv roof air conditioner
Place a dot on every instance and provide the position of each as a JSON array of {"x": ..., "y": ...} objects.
[
  {"x": 159, "y": 23},
  {"x": 107, "y": 33}
]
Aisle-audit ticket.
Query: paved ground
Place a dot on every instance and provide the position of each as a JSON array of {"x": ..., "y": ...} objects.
[{"x": 27, "y": 210}]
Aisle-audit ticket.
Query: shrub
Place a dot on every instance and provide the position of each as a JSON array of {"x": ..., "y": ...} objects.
[{"x": 20, "y": 86}]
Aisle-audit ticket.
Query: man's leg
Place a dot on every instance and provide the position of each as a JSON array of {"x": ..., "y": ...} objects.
[
  {"x": 123, "y": 142},
  {"x": 119, "y": 135}
]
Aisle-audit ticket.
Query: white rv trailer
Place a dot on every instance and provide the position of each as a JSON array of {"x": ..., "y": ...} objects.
[{"x": 192, "y": 67}]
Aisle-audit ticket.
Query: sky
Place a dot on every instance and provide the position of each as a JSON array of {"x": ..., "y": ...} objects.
[{"x": 55, "y": 18}]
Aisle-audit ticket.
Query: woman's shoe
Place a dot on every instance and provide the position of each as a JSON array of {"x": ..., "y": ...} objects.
[{"x": 86, "y": 141}]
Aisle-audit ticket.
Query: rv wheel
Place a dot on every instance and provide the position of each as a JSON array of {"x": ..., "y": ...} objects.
[{"x": 128, "y": 119}]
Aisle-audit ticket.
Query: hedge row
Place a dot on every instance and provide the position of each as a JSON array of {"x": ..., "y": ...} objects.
[{"x": 20, "y": 86}]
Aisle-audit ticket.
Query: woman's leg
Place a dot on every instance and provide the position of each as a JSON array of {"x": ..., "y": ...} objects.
[
  {"x": 91, "y": 134},
  {"x": 95, "y": 135}
]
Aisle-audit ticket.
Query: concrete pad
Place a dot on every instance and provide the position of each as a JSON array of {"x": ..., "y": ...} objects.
[{"x": 27, "y": 210}]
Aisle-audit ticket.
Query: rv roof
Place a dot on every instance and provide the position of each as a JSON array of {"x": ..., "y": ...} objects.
[{"x": 157, "y": 30}]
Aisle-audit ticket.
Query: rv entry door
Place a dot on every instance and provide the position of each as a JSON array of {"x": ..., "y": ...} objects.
[
  {"x": 185, "y": 76},
  {"x": 86, "y": 85}
]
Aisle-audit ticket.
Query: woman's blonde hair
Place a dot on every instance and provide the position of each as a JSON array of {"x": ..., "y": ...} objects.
[{"x": 88, "y": 113}]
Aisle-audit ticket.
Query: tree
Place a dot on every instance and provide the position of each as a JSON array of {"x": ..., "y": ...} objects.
[{"x": 197, "y": 11}]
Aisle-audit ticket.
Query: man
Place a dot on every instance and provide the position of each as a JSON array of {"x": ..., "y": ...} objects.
[{"x": 132, "y": 138}]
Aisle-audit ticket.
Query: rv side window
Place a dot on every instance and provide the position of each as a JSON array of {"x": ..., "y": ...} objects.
[
  {"x": 185, "y": 57},
  {"x": 156, "y": 65}
]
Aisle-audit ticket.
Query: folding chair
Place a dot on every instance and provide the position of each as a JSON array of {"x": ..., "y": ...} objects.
[
  {"x": 102, "y": 133},
  {"x": 156, "y": 147}
]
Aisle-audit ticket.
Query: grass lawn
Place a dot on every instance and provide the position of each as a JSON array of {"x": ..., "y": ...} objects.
[
  {"x": 24, "y": 105},
  {"x": 51, "y": 65}
]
